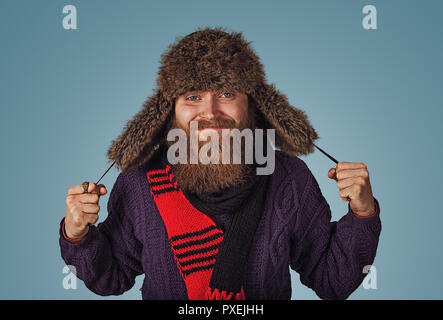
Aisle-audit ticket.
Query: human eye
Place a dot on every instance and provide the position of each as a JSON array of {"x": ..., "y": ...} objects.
[
  {"x": 227, "y": 95},
  {"x": 192, "y": 98}
]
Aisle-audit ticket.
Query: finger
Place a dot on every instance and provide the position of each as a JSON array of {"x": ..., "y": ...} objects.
[
  {"x": 345, "y": 183},
  {"x": 351, "y": 192},
  {"x": 349, "y": 173},
  {"x": 88, "y": 198},
  {"x": 332, "y": 174},
  {"x": 345, "y": 194},
  {"x": 75, "y": 190},
  {"x": 93, "y": 188},
  {"x": 91, "y": 218},
  {"x": 90, "y": 208},
  {"x": 343, "y": 165},
  {"x": 102, "y": 189}
]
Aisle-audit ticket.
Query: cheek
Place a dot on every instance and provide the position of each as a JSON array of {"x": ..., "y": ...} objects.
[
  {"x": 184, "y": 115},
  {"x": 238, "y": 112}
]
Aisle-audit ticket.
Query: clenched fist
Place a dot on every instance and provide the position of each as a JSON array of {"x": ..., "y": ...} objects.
[
  {"x": 354, "y": 186},
  {"x": 82, "y": 209}
]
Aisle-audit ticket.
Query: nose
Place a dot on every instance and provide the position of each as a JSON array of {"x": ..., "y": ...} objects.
[{"x": 209, "y": 109}]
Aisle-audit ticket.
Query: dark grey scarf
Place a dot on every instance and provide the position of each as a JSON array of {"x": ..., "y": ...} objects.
[{"x": 247, "y": 203}]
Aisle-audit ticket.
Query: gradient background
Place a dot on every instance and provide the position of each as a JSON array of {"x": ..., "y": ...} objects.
[{"x": 373, "y": 96}]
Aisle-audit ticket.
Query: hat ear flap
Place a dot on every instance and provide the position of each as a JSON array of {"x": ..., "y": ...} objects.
[
  {"x": 293, "y": 132},
  {"x": 139, "y": 139}
]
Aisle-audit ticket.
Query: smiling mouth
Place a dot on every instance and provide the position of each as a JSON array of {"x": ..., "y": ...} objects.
[{"x": 211, "y": 128}]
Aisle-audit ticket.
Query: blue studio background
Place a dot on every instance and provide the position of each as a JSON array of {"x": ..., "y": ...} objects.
[{"x": 374, "y": 96}]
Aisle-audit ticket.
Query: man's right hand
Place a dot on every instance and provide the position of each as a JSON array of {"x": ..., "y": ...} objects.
[{"x": 82, "y": 209}]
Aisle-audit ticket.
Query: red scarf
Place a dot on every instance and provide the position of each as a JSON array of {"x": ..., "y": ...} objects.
[{"x": 193, "y": 236}]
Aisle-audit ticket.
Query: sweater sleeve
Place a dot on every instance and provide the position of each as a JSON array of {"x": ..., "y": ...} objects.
[
  {"x": 108, "y": 258},
  {"x": 330, "y": 256}
]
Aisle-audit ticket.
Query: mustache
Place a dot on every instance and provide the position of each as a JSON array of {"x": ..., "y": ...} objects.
[{"x": 219, "y": 123}]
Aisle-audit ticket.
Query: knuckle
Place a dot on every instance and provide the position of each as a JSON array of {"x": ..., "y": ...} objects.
[
  {"x": 76, "y": 210},
  {"x": 75, "y": 200},
  {"x": 77, "y": 219},
  {"x": 73, "y": 208}
]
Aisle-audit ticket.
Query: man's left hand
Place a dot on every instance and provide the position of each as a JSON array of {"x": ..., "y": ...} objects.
[{"x": 354, "y": 186}]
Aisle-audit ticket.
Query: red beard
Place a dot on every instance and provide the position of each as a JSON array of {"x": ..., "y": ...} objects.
[{"x": 212, "y": 178}]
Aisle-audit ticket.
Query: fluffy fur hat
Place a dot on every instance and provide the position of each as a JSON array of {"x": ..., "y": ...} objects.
[{"x": 210, "y": 59}]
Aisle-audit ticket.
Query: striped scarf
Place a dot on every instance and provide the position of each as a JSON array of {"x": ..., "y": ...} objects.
[{"x": 211, "y": 262}]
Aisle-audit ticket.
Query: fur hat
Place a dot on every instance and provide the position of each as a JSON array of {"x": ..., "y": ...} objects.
[{"x": 210, "y": 59}]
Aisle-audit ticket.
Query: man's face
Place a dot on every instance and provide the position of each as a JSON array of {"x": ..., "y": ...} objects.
[{"x": 213, "y": 110}]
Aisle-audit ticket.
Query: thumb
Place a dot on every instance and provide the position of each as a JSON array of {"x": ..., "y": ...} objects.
[
  {"x": 332, "y": 174},
  {"x": 99, "y": 189},
  {"x": 102, "y": 189},
  {"x": 93, "y": 188}
]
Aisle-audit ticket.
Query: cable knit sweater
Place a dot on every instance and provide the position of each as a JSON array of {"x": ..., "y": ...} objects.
[{"x": 295, "y": 232}]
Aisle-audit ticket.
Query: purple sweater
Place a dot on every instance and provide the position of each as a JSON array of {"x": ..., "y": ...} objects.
[{"x": 295, "y": 232}]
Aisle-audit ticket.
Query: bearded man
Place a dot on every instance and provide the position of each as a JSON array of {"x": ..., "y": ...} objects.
[{"x": 219, "y": 230}]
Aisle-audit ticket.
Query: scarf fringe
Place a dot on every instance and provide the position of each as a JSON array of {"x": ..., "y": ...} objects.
[{"x": 215, "y": 294}]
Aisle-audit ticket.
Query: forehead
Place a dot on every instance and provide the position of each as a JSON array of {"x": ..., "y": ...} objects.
[{"x": 206, "y": 92}]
